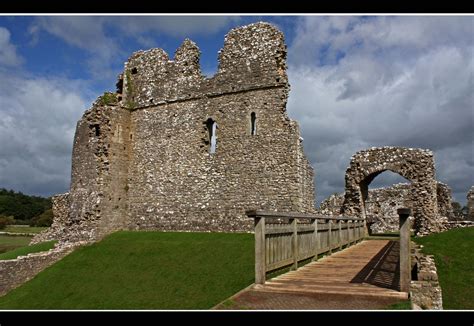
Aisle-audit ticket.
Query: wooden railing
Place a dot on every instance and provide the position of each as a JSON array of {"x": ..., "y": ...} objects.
[{"x": 284, "y": 239}]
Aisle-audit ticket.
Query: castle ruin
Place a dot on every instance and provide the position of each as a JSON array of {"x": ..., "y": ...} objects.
[
  {"x": 174, "y": 150},
  {"x": 382, "y": 203},
  {"x": 470, "y": 204},
  {"x": 414, "y": 164}
]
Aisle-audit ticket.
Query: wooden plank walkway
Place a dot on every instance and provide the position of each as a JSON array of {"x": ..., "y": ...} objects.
[{"x": 369, "y": 268}]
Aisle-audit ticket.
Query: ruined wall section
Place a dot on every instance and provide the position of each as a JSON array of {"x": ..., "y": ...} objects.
[
  {"x": 470, "y": 204},
  {"x": 98, "y": 200},
  {"x": 306, "y": 182},
  {"x": 416, "y": 165},
  {"x": 332, "y": 205},
  {"x": 175, "y": 183},
  {"x": 444, "y": 198},
  {"x": 15, "y": 272},
  {"x": 60, "y": 208},
  {"x": 382, "y": 203},
  {"x": 253, "y": 57}
]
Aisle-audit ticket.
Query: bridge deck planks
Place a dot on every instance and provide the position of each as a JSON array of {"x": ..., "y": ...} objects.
[{"x": 369, "y": 268}]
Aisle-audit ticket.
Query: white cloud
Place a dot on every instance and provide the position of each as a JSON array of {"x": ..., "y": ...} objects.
[
  {"x": 102, "y": 36},
  {"x": 8, "y": 55},
  {"x": 400, "y": 81},
  {"x": 178, "y": 26},
  {"x": 37, "y": 128},
  {"x": 91, "y": 32}
]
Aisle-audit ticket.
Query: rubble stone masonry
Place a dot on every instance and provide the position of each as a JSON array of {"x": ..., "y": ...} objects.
[
  {"x": 414, "y": 164},
  {"x": 143, "y": 157},
  {"x": 382, "y": 203}
]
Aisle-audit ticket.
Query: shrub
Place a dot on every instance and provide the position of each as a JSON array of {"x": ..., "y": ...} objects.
[
  {"x": 5, "y": 220},
  {"x": 45, "y": 219},
  {"x": 108, "y": 99}
]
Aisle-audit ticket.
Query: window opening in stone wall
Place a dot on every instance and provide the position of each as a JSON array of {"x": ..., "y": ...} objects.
[
  {"x": 253, "y": 124},
  {"x": 211, "y": 127},
  {"x": 96, "y": 129}
]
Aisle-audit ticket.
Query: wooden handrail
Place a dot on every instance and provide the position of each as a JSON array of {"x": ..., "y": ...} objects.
[
  {"x": 292, "y": 215},
  {"x": 287, "y": 243}
]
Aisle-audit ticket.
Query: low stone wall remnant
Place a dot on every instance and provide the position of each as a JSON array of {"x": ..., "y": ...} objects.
[
  {"x": 15, "y": 272},
  {"x": 425, "y": 291}
]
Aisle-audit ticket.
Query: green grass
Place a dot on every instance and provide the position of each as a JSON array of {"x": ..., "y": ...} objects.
[
  {"x": 24, "y": 229},
  {"x": 22, "y": 251},
  {"x": 454, "y": 257},
  {"x": 10, "y": 242},
  {"x": 402, "y": 305},
  {"x": 143, "y": 270}
]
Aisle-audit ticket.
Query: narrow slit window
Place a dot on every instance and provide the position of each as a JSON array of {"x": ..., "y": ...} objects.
[
  {"x": 96, "y": 129},
  {"x": 212, "y": 128},
  {"x": 253, "y": 124}
]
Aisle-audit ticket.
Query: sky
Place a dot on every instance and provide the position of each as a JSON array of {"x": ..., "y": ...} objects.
[{"x": 356, "y": 82}]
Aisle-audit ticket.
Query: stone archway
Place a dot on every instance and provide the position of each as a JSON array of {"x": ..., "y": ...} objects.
[{"x": 416, "y": 165}]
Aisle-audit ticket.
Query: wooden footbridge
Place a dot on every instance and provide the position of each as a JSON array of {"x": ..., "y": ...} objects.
[{"x": 369, "y": 268}]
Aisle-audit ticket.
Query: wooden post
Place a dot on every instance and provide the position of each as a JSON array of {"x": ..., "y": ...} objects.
[
  {"x": 260, "y": 266},
  {"x": 405, "y": 266},
  {"x": 315, "y": 240},
  {"x": 348, "y": 223},
  {"x": 340, "y": 234},
  {"x": 330, "y": 236},
  {"x": 294, "y": 243}
]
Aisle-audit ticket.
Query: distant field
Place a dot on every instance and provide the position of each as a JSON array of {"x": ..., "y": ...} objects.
[
  {"x": 143, "y": 270},
  {"x": 22, "y": 251},
  {"x": 24, "y": 229},
  {"x": 8, "y": 242},
  {"x": 454, "y": 256}
]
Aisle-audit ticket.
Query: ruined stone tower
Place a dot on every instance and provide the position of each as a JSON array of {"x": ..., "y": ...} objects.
[
  {"x": 173, "y": 150},
  {"x": 470, "y": 204}
]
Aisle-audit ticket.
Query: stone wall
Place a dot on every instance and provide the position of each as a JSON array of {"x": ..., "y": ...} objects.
[
  {"x": 15, "y": 272},
  {"x": 425, "y": 291},
  {"x": 141, "y": 156},
  {"x": 444, "y": 200},
  {"x": 332, "y": 205},
  {"x": 416, "y": 165},
  {"x": 459, "y": 224},
  {"x": 382, "y": 203},
  {"x": 470, "y": 204},
  {"x": 58, "y": 227}
]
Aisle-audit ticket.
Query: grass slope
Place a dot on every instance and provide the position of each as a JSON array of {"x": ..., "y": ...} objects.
[
  {"x": 143, "y": 270},
  {"x": 454, "y": 257},
  {"x": 403, "y": 305},
  {"x": 8, "y": 242},
  {"x": 22, "y": 251}
]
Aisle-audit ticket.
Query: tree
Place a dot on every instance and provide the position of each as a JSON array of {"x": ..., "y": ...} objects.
[
  {"x": 458, "y": 210},
  {"x": 5, "y": 220},
  {"x": 22, "y": 207},
  {"x": 45, "y": 219}
]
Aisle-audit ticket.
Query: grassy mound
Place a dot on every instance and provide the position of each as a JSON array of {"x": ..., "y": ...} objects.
[
  {"x": 454, "y": 257},
  {"x": 143, "y": 270}
]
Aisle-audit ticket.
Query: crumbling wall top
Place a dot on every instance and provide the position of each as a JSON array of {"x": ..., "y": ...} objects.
[{"x": 253, "y": 57}]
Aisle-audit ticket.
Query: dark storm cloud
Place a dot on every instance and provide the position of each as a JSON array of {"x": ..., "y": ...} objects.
[{"x": 399, "y": 81}]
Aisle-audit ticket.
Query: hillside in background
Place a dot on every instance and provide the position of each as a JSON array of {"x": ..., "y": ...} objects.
[{"x": 24, "y": 209}]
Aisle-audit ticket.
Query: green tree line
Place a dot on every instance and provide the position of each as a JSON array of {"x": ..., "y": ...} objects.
[{"x": 25, "y": 209}]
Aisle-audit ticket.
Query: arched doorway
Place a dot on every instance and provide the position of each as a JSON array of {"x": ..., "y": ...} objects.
[
  {"x": 415, "y": 165},
  {"x": 388, "y": 192}
]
